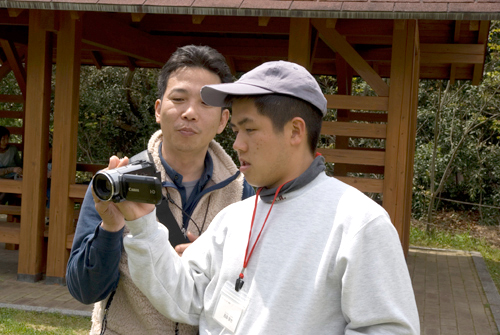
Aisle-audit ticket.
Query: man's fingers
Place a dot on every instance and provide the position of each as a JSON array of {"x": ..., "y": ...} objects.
[
  {"x": 180, "y": 248},
  {"x": 191, "y": 237},
  {"x": 123, "y": 162},
  {"x": 113, "y": 162}
]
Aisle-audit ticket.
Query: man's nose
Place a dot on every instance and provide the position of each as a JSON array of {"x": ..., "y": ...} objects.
[
  {"x": 191, "y": 112},
  {"x": 239, "y": 145}
]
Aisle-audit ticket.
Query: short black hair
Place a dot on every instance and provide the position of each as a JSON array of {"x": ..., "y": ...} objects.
[
  {"x": 4, "y": 131},
  {"x": 203, "y": 57},
  {"x": 282, "y": 108}
]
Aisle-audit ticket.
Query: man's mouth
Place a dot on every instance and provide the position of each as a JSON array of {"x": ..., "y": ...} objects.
[
  {"x": 244, "y": 165},
  {"x": 187, "y": 131}
]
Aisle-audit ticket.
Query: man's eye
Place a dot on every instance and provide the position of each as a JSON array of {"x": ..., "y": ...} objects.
[
  {"x": 249, "y": 130},
  {"x": 177, "y": 99}
]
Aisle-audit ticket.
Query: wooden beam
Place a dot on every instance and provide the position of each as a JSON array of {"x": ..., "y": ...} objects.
[
  {"x": 456, "y": 33},
  {"x": 96, "y": 59},
  {"x": 456, "y": 39},
  {"x": 130, "y": 63},
  {"x": 337, "y": 43},
  {"x": 452, "y": 49},
  {"x": 38, "y": 90},
  {"x": 15, "y": 12},
  {"x": 482, "y": 39},
  {"x": 331, "y": 23},
  {"x": 364, "y": 184},
  {"x": 77, "y": 191},
  {"x": 9, "y": 232},
  {"x": 12, "y": 98},
  {"x": 299, "y": 42},
  {"x": 264, "y": 21},
  {"x": 401, "y": 126},
  {"x": 368, "y": 117},
  {"x": 15, "y": 63},
  {"x": 348, "y": 156},
  {"x": 75, "y": 15},
  {"x": 357, "y": 102},
  {"x": 64, "y": 144},
  {"x": 137, "y": 17},
  {"x": 350, "y": 129},
  {"x": 198, "y": 19},
  {"x": 232, "y": 66},
  {"x": 315, "y": 40},
  {"x": 4, "y": 114},
  {"x": 5, "y": 69},
  {"x": 473, "y": 25},
  {"x": 111, "y": 34},
  {"x": 452, "y": 53},
  {"x": 11, "y": 186}
]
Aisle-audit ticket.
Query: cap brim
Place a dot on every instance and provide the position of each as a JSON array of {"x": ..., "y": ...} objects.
[{"x": 215, "y": 95}]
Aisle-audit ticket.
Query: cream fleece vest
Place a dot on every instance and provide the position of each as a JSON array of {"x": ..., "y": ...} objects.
[{"x": 130, "y": 311}]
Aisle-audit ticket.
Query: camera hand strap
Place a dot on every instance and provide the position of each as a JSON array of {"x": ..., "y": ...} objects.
[{"x": 165, "y": 216}]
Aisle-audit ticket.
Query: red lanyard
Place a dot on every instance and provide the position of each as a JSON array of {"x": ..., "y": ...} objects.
[{"x": 239, "y": 281}]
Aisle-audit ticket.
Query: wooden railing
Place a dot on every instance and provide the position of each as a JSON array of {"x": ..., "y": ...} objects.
[{"x": 10, "y": 229}]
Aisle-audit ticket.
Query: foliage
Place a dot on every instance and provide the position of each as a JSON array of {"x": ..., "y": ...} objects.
[
  {"x": 22, "y": 322},
  {"x": 116, "y": 112},
  {"x": 458, "y": 134}
]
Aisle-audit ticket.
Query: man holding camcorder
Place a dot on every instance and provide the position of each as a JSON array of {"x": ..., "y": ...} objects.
[{"x": 198, "y": 179}]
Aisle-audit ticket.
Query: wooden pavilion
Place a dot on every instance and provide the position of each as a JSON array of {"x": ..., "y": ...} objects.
[{"x": 390, "y": 44}]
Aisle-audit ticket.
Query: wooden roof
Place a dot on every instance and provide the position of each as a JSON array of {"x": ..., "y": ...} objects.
[
  {"x": 373, "y": 9},
  {"x": 147, "y": 40}
]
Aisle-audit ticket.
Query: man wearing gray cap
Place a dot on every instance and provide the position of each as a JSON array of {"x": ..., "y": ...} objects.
[{"x": 307, "y": 255}]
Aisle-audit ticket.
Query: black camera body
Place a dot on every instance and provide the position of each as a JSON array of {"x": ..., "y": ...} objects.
[{"x": 137, "y": 182}]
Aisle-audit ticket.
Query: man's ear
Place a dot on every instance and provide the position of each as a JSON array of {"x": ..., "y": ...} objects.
[
  {"x": 298, "y": 131},
  {"x": 223, "y": 120},
  {"x": 158, "y": 110}
]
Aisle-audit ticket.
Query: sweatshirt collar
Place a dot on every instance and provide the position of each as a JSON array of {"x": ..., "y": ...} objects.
[{"x": 316, "y": 167}]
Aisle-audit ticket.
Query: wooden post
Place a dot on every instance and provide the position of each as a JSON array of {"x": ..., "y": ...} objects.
[
  {"x": 31, "y": 249},
  {"x": 401, "y": 126},
  {"x": 64, "y": 146},
  {"x": 299, "y": 42}
]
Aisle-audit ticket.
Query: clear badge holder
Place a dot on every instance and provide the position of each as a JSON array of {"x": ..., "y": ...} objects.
[{"x": 230, "y": 307}]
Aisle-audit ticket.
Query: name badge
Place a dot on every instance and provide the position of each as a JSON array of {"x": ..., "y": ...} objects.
[{"x": 230, "y": 307}]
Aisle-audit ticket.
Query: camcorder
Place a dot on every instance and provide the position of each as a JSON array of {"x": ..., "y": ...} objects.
[{"x": 137, "y": 182}]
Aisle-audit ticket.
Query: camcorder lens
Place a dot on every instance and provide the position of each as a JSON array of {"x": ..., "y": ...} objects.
[{"x": 103, "y": 187}]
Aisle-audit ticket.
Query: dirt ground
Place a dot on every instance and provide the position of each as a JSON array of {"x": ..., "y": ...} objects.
[{"x": 464, "y": 222}]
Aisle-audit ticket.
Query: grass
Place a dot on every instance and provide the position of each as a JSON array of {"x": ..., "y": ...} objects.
[
  {"x": 23, "y": 322},
  {"x": 462, "y": 241}
]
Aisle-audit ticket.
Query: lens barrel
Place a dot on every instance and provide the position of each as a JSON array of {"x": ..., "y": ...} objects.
[{"x": 104, "y": 186}]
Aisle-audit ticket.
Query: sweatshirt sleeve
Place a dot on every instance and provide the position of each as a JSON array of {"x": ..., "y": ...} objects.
[
  {"x": 174, "y": 285},
  {"x": 92, "y": 271},
  {"x": 377, "y": 295}
]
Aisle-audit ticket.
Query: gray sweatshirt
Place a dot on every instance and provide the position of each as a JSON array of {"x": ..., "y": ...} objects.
[{"x": 328, "y": 261}]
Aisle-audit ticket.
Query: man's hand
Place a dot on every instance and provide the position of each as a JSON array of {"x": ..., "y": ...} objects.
[
  {"x": 180, "y": 248},
  {"x": 114, "y": 214}
]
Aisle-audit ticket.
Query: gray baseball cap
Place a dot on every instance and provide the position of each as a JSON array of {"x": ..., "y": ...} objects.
[{"x": 278, "y": 77}]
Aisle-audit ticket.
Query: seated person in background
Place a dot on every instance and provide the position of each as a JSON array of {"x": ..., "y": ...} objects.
[{"x": 10, "y": 163}]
